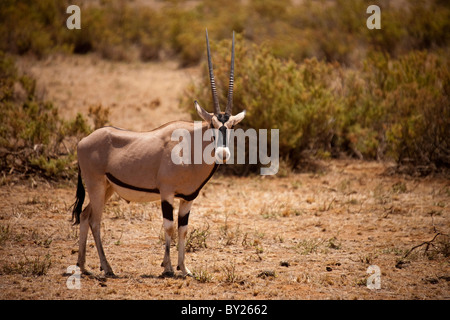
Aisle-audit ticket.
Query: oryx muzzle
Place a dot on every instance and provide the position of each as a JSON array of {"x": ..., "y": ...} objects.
[{"x": 137, "y": 166}]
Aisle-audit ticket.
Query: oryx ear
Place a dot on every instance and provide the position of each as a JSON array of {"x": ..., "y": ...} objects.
[
  {"x": 205, "y": 115},
  {"x": 237, "y": 118}
]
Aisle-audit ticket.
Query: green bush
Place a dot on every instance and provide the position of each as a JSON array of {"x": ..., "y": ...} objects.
[
  {"x": 184, "y": 36},
  {"x": 33, "y": 138},
  {"x": 327, "y": 30},
  {"x": 310, "y": 69},
  {"x": 417, "y": 101},
  {"x": 33, "y": 26},
  {"x": 399, "y": 109},
  {"x": 390, "y": 109},
  {"x": 296, "y": 99}
]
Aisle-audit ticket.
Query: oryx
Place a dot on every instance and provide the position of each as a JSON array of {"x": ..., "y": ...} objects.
[{"x": 138, "y": 167}]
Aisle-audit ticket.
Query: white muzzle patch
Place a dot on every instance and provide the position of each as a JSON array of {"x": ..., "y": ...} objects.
[{"x": 222, "y": 154}]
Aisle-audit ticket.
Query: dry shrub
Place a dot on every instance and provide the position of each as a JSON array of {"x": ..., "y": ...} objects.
[
  {"x": 34, "y": 139},
  {"x": 328, "y": 30},
  {"x": 310, "y": 69},
  {"x": 196, "y": 240},
  {"x": 99, "y": 115},
  {"x": 390, "y": 109},
  {"x": 297, "y": 99},
  {"x": 399, "y": 109},
  {"x": 28, "y": 267}
]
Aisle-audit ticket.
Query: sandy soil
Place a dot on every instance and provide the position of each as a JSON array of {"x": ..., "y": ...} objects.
[
  {"x": 300, "y": 236},
  {"x": 140, "y": 96}
]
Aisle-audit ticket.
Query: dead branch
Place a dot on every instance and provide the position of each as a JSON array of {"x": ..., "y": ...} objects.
[{"x": 427, "y": 243}]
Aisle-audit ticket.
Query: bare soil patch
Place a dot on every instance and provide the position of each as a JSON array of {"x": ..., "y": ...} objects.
[
  {"x": 140, "y": 96},
  {"x": 303, "y": 236},
  {"x": 306, "y": 236}
]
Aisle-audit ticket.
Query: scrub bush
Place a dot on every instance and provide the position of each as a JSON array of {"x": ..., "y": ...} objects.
[
  {"x": 33, "y": 138},
  {"x": 390, "y": 109},
  {"x": 297, "y": 99}
]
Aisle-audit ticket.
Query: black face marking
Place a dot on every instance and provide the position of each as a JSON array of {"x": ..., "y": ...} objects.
[
  {"x": 223, "y": 117},
  {"x": 223, "y": 132},
  {"x": 167, "y": 210},
  {"x": 183, "y": 221}
]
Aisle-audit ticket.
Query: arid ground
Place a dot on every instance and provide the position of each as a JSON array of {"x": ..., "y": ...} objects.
[{"x": 309, "y": 235}]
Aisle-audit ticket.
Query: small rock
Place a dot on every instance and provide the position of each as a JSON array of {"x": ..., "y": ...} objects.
[
  {"x": 329, "y": 269},
  {"x": 402, "y": 264},
  {"x": 431, "y": 280},
  {"x": 267, "y": 273},
  {"x": 285, "y": 263}
]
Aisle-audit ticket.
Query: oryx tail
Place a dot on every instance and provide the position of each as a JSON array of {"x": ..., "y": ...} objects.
[{"x": 78, "y": 205}]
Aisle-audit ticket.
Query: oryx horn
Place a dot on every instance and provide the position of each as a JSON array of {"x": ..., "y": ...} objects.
[
  {"x": 211, "y": 78},
  {"x": 230, "y": 86}
]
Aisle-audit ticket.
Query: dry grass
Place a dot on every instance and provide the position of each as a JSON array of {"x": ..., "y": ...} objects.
[
  {"x": 301, "y": 236},
  {"x": 140, "y": 96},
  {"x": 317, "y": 250}
]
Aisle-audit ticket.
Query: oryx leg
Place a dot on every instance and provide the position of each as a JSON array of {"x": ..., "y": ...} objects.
[
  {"x": 167, "y": 211},
  {"x": 183, "y": 218},
  {"x": 91, "y": 216},
  {"x": 84, "y": 228}
]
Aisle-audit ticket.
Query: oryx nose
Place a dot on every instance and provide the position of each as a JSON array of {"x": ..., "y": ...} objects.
[
  {"x": 223, "y": 134},
  {"x": 222, "y": 154}
]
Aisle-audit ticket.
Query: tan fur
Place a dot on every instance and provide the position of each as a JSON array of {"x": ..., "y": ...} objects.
[
  {"x": 141, "y": 159},
  {"x": 139, "y": 167}
]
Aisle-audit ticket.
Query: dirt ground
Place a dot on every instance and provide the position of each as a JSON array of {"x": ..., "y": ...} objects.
[
  {"x": 140, "y": 96},
  {"x": 295, "y": 236}
]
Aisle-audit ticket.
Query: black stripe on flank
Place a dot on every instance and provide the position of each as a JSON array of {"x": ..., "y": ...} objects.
[
  {"x": 188, "y": 197},
  {"x": 167, "y": 210},
  {"x": 194, "y": 195},
  {"x": 129, "y": 186},
  {"x": 183, "y": 221}
]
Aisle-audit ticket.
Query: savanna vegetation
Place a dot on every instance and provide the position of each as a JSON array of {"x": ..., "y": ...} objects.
[
  {"x": 337, "y": 91},
  {"x": 311, "y": 69}
]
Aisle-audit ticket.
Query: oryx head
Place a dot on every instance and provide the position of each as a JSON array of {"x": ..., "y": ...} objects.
[{"x": 222, "y": 121}]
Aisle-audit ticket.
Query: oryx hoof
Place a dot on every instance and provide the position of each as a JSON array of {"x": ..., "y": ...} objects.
[
  {"x": 167, "y": 274},
  {"x": 185, "y": 272},
  {"x": 108, "y": 271},
  {"x": 86, "y": 273},
  {"x": 110, "y": 274}
]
